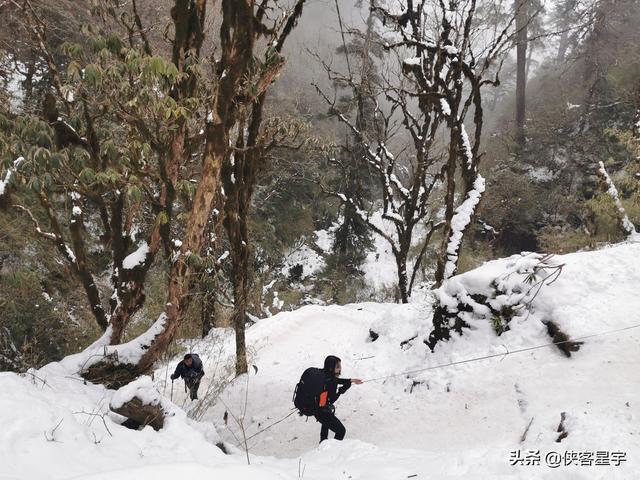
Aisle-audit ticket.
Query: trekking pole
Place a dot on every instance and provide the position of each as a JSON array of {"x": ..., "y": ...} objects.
[{"x": 172, "y": 390}]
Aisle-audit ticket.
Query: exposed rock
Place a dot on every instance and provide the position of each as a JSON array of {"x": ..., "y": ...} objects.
[
  {"x": 561, "y": 339},
  {"x": 373, "y": 336},
  {"x": 140, "y": 414},
  {"x": 141, "y": 403},
  {"x": 561, "y": 429}
]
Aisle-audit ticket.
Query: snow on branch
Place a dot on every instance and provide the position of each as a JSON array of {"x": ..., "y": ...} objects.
[
  {"x": 466, "y": 146},
  {"x": 128, "y": 353},
  {"x": 393, "y": 216},
  {"x": 5, "y": 182},
  {"x": 412, "y": 61},
  {"x": 36, "y": 224},
  {"x": 10, "y": 173},
  {"x": 401, "y": 188},
  {"x": 626, "y": 224},
  {"x": 459, "y": 223},
  {"x": 446, "y": 109},
  {"x": 377, "y": 160},
  {"x": 136, "y": 258}
]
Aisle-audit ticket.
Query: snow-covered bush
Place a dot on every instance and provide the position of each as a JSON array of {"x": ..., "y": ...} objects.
[{"x": 498, "y": 300}]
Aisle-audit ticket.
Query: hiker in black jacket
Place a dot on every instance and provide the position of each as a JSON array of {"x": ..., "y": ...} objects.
[
  {"x": 190, "y": 369},
  {"x": 325, "y": 414}
]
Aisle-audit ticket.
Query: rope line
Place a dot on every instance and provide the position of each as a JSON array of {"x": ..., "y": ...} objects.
[
  {"x": 269, "y": 426},
  {"x": 508, "y": 352},
  {"x": 469, "y": 360}
]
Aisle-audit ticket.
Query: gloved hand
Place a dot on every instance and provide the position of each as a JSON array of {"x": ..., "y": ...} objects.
[{"x": 173, "y": 376}]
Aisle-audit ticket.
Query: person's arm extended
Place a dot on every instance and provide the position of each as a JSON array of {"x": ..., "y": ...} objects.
[
  {"x": 178, "y": 371},
  {"x": 345, "y": 384}
]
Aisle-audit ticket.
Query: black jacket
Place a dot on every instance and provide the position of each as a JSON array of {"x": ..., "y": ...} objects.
[
  {"x": 332, "y": 382},
  {"x": 195, "y": 370}
]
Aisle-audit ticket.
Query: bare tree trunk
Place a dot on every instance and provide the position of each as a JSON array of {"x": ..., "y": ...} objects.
[
  {"x": 449, "y": 206},
  {"x": 240, "y": 174},
  {"x": 563, "y": 45},
  {"x": 238, "y": 37},
  {"x": 240, "y": 270},
  {"x": 241, "y": 82},
  {"x": 28, "y": 78},
  {"x": 207, "y": 314},
  {"x": 595, "y": 69},
  {"x": 179, "y": 275},
  {"x": 521, "y": 68},
  {"x": 403, "y": 280}
]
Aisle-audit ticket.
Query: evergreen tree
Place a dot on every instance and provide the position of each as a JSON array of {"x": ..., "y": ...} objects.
[{"x": 361, "y": 53}]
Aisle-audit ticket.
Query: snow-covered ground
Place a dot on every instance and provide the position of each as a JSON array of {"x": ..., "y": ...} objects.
[{"x": 464, "y": 421}]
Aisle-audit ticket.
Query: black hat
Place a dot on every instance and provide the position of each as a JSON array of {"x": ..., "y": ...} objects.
[{"x": 330, "y": 364}]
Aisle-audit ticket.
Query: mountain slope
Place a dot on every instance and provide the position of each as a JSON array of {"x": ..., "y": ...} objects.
[
  {"x": 477, "y": 410},
  {"x": 456, "y": 421}
]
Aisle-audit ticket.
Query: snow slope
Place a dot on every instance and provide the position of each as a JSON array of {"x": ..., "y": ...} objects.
[
  {"x": 465, "y": 418},
  {"x": 459, "y": 421}
]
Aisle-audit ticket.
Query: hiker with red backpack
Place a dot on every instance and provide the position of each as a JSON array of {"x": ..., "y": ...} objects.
[{"x": 317, "y": 392}]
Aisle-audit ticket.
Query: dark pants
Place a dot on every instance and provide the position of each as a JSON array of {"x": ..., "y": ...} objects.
[
  {"x": 193, "y": 384},
  {"x": 329, "y": 421}
]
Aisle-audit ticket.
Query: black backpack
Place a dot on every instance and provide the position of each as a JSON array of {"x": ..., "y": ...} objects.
[
  {"x": 197, "y": 363},
  {"x": 308, "y": 392}
]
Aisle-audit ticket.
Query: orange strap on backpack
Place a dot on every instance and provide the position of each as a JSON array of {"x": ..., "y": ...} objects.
[{"x": 323, "y": 398}]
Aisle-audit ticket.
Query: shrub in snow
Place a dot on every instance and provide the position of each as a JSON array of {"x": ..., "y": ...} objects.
[
  {"x": 497, "y": 301},
  {"x": 295, "y": 273},
  {"x": 33, "y": 330}
]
